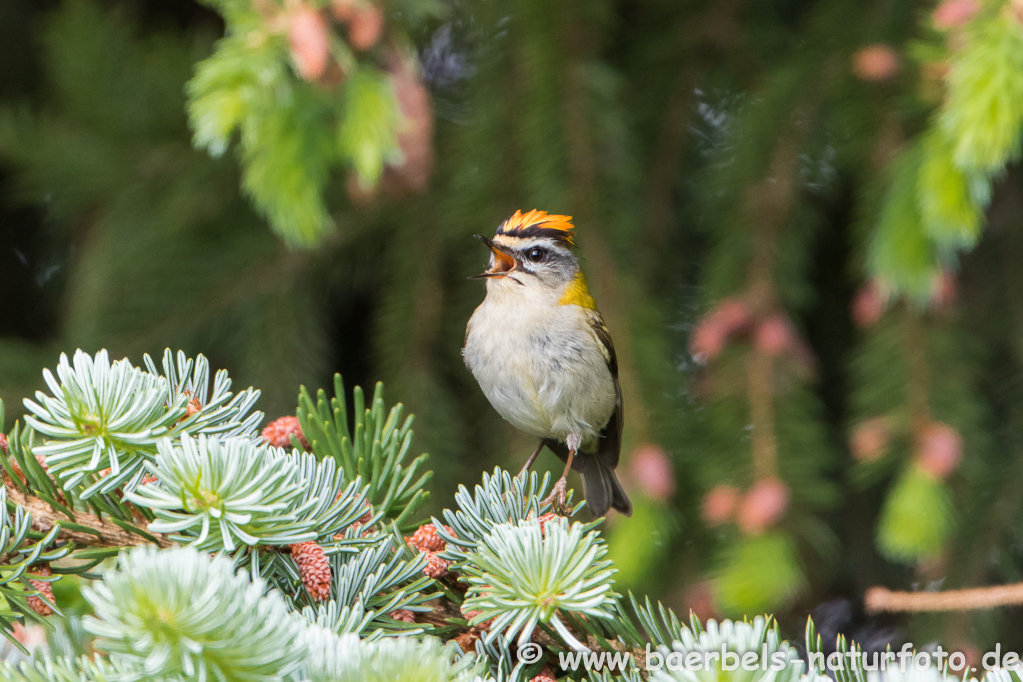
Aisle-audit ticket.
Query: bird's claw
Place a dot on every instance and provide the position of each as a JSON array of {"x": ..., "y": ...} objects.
[{"x": 558, "y": 496}]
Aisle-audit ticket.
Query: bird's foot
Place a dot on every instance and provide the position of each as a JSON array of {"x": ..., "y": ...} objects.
[{"x": 558, "y": 496}]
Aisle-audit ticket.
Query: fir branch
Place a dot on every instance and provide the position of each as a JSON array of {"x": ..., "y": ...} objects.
[
  {"x": 225, "y": 494},
  {"x": 760, "y": 637},
  {"x": 179, "y": 613},
  {"x": 104, "y": 419},
  {"x": 102, "y": 415},
  {"x": 220, "y": 412},
  {"x": 374, "y": 447},
  {"x": 348, "y": 658},
  {"x": 100, "y": 532},
  {"x": 63, "y": 670},
  {"x": 525, "y": 574}
]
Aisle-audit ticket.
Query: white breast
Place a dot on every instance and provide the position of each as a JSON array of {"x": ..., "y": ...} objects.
[{"x": 540, "y": 364}]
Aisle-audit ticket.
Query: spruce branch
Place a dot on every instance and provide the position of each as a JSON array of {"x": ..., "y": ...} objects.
[
  {"x": 302, "y": 103},
  {"x": 768, "y": 204},
  {"x": 898, "y": 363},
  {"x": 760, "y": 366},
  {"x": 983, "y": 112},
  {"x": 756, "y": 386}
]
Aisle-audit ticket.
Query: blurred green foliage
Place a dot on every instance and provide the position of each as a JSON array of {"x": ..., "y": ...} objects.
[{"x": 770, "y": 201}]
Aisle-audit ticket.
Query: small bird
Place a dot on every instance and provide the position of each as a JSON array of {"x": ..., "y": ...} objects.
[{"x": 540, "y": 351}]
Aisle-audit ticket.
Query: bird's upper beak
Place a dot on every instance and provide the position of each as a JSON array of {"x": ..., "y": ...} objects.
[{"x": 504, "y": 262}]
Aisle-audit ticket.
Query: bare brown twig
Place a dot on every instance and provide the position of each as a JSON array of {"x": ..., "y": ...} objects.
[{"x": 878, "y": 599}]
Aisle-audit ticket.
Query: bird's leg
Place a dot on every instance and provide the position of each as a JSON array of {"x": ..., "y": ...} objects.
[
  {"x": 532, "y": 458},
  {"x": 557, "y": 495}
]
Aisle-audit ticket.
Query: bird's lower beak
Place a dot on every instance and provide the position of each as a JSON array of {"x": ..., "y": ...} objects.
[{"x": 504, "y": 262}]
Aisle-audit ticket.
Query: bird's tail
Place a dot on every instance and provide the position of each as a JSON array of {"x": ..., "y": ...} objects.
[{"x": 602, "y": 488}]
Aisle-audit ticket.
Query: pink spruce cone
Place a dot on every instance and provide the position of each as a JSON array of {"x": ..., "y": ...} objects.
[
  {"x": 869, "y": 305},
  {"x": 314, "y": 569},
  {"x": 954, "y": 13},
  {"x": 713, "y": 330},
  {"x": 774, "y": 335},
  {"x": 939, "y": 449},
  {"x": 310, "y": 42},
  {"x": 870, "y": 439},
  {"x": 365, "y": 27},
  {"x": 426, "y": 539},
  {"x": 44, "y": 588},
  {"x": 763, "y": 506},
  {"x": 544, "y": 518},
  {"x": 719, "y": 505},
  {"x": 877, "y": 62},
  {"x": 651, "y": 469},
  {"x": 278, "y": 433},
  {"x": 436, "y": 567},
  {"x": 404, "y": 615}
]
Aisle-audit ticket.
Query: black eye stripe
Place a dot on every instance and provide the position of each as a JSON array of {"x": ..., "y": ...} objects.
[{"x": 553, "y": 255}]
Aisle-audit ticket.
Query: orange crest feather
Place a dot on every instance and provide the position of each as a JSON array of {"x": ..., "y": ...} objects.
[{"x": 536, "y": 222}]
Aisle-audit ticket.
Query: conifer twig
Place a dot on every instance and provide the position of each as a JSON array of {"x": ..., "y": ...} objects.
[
  {"x": 104, "y": 533},
  {"x": 878, "y": 599},
  {"x": 443, "y": 612},
  {"x": 769, "y": 202},
  {"x": 761, "y": 400}
]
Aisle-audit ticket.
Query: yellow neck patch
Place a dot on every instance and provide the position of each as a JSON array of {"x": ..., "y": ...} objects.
[{"x": 577, "y": 293}]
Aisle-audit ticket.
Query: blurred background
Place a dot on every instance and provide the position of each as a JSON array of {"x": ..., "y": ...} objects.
[{"x": 778, "y": 206}]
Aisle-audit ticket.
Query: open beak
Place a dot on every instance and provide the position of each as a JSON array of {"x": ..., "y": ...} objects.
[{"x": 504, "y": 262}]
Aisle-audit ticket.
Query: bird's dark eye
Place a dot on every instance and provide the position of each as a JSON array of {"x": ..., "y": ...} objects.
[{"x": 536, "y": 255}]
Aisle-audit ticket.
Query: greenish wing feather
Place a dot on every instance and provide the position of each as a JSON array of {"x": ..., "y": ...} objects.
[{"x": 611, "y": 436}]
